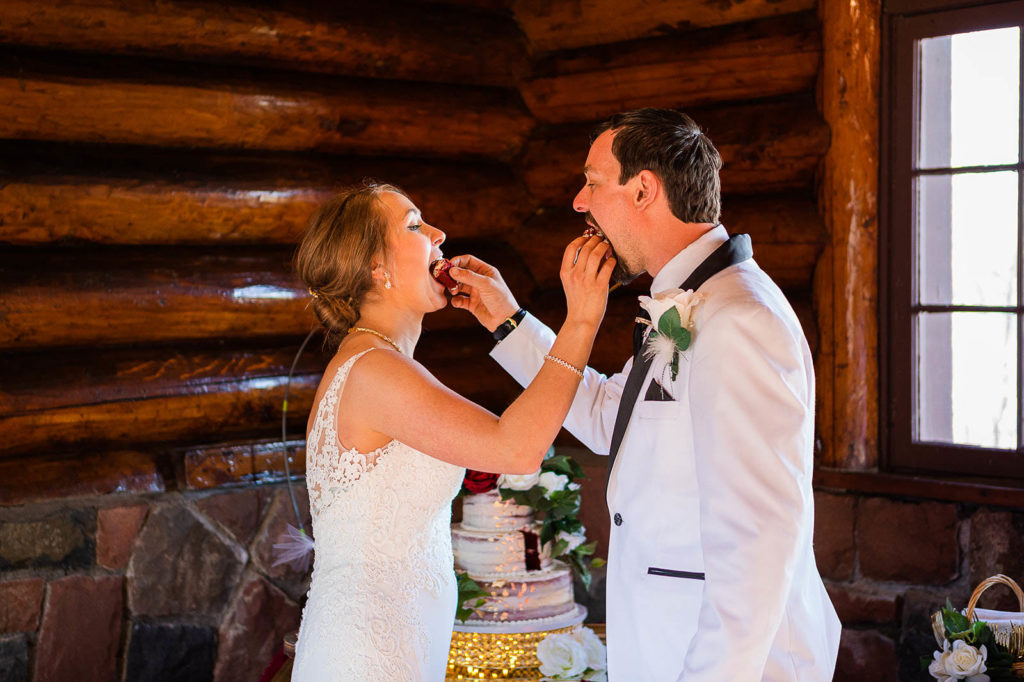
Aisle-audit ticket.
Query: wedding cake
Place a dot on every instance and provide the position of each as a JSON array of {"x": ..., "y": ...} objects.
[
  {"x": 498, "y": 545},
  {"x": 515, "y": 591}
]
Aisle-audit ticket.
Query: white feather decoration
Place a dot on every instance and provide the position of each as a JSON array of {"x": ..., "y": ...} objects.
[{"x": 293, "y": 547}]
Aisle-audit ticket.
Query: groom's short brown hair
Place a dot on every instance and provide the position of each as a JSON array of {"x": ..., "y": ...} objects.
[{"x": 669, "y": 144}]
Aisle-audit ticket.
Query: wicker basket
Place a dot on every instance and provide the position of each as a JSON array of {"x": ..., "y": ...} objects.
[{"x": 1013, "y": 637}]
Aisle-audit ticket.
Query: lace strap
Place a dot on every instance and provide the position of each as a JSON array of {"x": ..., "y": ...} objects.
[{"x": 334, "y": 390}]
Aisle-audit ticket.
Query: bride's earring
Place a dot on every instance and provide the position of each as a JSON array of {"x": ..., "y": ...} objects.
[{"x": 387, "y": 281}]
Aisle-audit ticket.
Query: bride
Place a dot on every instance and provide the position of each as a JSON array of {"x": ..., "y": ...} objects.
[{"x": 387, "y": 443}]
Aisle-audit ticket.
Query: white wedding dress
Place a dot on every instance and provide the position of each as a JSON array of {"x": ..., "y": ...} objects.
[{"x": 382, "y": 596}]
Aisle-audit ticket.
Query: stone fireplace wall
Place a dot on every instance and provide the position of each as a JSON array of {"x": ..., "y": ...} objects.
[{"x": 169, "y": 587}]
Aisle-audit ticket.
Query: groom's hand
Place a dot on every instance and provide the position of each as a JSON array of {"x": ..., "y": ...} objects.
[{"x": 482, "y": 291}]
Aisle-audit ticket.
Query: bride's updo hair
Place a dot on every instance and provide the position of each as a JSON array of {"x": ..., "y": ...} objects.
[{"x": 336, "y": 254}]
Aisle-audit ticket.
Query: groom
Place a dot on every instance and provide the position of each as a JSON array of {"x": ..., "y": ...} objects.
[{"x": 711, "y": 575}]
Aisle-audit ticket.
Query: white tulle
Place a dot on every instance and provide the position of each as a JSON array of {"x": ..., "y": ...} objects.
[
  {"x": 382, "y": 597},
  {"x": 293, "y": 547}
]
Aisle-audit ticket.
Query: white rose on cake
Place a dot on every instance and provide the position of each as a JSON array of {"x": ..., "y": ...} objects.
[
  {"x": 519, "y": 481},
  {"x": 562, "y": 656},
  {"x": 552, "y": 482},
  {"x": 573, "y": 540}
]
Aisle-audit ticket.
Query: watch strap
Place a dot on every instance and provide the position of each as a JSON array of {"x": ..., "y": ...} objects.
[{"x": 506, "y": 327}]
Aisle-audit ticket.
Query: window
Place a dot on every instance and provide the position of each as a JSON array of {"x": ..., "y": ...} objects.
[{"x": 953, "y": 196}]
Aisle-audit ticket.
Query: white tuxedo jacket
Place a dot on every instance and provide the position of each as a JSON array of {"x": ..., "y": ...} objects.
[{"x": 711, "y": 575}]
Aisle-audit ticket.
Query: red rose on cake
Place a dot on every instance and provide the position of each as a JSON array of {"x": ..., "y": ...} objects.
[{"x": 477, "y": 482}]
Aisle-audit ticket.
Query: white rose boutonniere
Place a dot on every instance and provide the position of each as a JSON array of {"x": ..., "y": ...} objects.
[
  {"x": 672, "y": 321},
  {"x": 959, "y": 662},
  {"x": 519, "y": 481}
]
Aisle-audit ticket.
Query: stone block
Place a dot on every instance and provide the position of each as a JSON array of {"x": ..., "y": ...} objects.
[
  {"x": 171, "y": 653},
  {"x": 833, "y": 534},
  {"x": 14, "y": 658},
  {"x": 239, "y": 512},
  {"x": 62, "y": 541},
  {"x": 863, "y": 605},
  {"x": 907, "y": 542},
  {"x": 115, "y": 532},
  {"x": 293, "y": 581},
  {"x": 179, "y": 566},
  {"x": 20, "y": 603},
  {"x": 916, "y": 636},
  {"x": 866, "y": 655},
  {"x": 259, "y": 618},
  {"x": 997, "y": 546},
  {"x": 81, "y": 630}
]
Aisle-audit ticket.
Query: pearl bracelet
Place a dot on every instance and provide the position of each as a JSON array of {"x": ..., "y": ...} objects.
[{"x": 562, "y": 363}]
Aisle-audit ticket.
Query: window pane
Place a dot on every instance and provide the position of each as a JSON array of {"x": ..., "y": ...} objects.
[
  {"x": 966, "y": 379},
  {"x": 967, "y": 239},
  {"x": 970, "y": 85}
]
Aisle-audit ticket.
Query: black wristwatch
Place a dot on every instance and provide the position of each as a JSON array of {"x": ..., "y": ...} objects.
[{"x": 506, "y": 327}]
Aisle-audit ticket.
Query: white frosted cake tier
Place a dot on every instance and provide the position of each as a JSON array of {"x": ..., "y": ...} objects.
[
  {"x": 487, "y": 511},
  {"x": 538, "y": 594},
  {"x": 565, "y": 620},
  {"x": 494, "y": 552}
]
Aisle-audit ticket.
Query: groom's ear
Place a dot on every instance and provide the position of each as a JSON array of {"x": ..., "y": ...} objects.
[{"x": 646, "y": 190}]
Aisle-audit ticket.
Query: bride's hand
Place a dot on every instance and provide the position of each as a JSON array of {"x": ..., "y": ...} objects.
[
  {"x": 587, "y": 266},
  {"x": 482, "y": 291}
]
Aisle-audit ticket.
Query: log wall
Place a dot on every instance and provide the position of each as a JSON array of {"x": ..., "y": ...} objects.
[{"x": 159, "y": 160}]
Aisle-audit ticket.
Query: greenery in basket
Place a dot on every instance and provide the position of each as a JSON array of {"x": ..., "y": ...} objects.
[{"x": 969, "y": 650}]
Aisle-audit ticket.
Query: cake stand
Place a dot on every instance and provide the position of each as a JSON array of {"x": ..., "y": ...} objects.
[{"x": 504, "y": 650}]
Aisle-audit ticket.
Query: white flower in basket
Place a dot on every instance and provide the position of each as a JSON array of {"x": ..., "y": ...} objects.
[{"x": 959, "y": 662}]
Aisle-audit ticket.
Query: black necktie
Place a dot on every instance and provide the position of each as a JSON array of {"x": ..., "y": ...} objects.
[
  {"x": 638, "y": 331},
  {"x": 734, "y": 251}
]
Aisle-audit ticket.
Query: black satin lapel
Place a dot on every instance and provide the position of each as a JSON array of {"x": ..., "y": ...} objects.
[{"x": 736, "y": 250}]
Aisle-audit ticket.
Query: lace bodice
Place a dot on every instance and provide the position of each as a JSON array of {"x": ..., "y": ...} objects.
[{"x": 383, "y": 577}]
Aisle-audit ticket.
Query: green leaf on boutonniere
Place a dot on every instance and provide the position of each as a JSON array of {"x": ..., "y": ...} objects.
[
  {"x": 598, "y": 562},
  {"x": 671, "y": 326},
  {"x": 560, "y": 547}
]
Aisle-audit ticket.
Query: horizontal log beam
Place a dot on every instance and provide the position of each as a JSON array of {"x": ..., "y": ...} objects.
[
  {"x": 123, "y": 399},
  {"x": 765, "y": 147},
  {"x": 119, "y": 296},
  {"x": 763, "y": 59},
  {"x": 562, "y": 25},
  {"x": 269, "y": 203},
  {"x": 397, "y": 41},
  {"x": 114, "y": 103},
  {"x": 37, "y": 478},
  {"x": 786, "y": 230},
  {"x": 247, "y": 462}
]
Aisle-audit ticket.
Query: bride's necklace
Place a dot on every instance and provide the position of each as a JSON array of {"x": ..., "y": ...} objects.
[{"x": 378, "y": 335}]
